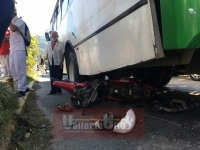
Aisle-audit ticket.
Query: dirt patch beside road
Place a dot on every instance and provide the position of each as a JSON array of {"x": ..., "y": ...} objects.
[{"x": 33, "y": 130}]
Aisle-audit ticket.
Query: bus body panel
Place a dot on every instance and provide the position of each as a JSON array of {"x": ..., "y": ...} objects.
[
  {"x": 120, "y": 45},
  {"x": 180, "y": 24},
  {"x": 86, "y": 17}
]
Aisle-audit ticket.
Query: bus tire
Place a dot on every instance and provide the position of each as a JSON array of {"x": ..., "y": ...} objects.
[
  {"x": 168, "y": 75},
  {"x": 154, "y": 76},
  {"x": 72, "y": 68}
]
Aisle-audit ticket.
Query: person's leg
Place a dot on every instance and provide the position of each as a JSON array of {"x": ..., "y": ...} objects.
[
  {"x": 20, "y": 65},
  {"x": 7, "y": 67},
  {"x": 3, "y": 66},
  {"x": 1, "y": 70},
  {"x": 9, "y": 77},
  {"x": 59, "y": 75},
  {"x": 12, "y": 64},
  {"x": 42, "y": 69},
  {"x": 45, "y": 69},
  {"x": 52, "y": 75}
]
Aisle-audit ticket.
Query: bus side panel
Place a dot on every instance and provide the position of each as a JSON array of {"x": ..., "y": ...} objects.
[
  {"x": 85, "y": 17},
  {"x": 125, "y": 43}
]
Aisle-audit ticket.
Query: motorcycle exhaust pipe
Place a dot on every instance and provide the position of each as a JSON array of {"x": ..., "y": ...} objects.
[{"x": 66, "y": 85}]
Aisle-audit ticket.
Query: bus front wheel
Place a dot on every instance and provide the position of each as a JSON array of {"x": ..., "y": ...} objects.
[{"x": 72, "y": 68}]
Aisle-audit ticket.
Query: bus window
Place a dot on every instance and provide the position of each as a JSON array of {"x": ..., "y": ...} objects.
[
  {"x": 61, "y": 2},
  {"x": 58, "y": 19},
  {"x": 56, "y": 10},
  {"x": 58, "y": 14},
  {"x": 70, "y": 2},
  {"x": 55, "y": 21},
  {"x": 64, "y": 8},
  {"x": 52, "y": 24}
]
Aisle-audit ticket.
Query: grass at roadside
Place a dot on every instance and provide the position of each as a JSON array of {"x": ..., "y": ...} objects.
[
  {"x": 31, "y": 76},
  {"x": 32, "y": 130},
  {"x": 8, "y": 105}
]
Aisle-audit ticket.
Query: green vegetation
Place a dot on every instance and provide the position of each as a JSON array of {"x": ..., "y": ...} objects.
[
  {"x": 32, "y": 57},
  {"x": 8, "y": 105},
  {"x": 42, "y": 44}
]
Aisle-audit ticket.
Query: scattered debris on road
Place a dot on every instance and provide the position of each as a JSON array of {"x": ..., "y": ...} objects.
[
  {"x": 175, "y": 105},
  {"x": 67, "y": 107}
]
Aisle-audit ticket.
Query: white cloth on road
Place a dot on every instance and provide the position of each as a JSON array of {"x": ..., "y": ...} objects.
[{"x": 18, "y": 68}]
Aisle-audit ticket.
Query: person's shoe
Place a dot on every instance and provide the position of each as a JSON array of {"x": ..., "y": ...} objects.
[
  {"x": 20, "y": 94},
  {"x": 51, "y": 93},
  {"x": 58, "y": 93},
  {"x": 29, "y": 89}
]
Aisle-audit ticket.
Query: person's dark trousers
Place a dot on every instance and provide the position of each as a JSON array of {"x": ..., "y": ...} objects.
[
  {"x": 6, "y": 13},
  {"x": 55, "y": 72}
]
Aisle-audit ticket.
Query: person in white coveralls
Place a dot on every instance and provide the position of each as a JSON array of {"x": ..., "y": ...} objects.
[{"x": 18, "y": 54}]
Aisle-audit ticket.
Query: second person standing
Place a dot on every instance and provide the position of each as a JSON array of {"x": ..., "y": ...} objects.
[{"x": 55, "y": 57}]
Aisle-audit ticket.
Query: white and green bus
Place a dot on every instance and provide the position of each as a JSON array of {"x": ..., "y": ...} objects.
[{"x": 120, "y": 38}]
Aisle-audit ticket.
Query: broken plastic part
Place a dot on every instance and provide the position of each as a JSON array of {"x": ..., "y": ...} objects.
[
  {"x": 67, "y": 107},
  {"x": 91, "y": 94},
  {"x": 97, "y": 125},
  {"x": 126, "y": 124},
  {"x": 95, "y": 118}
]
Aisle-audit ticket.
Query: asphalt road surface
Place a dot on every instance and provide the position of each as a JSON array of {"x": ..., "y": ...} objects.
[{"x": 158, "y": 131}]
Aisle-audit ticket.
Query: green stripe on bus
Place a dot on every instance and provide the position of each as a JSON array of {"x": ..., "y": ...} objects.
[{"x": 180, "y": 24}]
